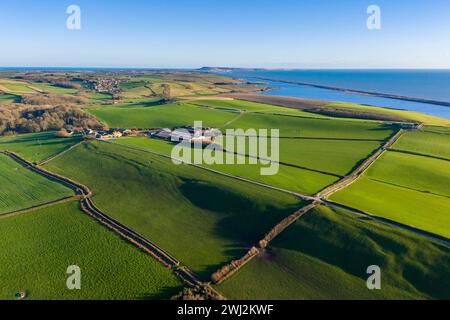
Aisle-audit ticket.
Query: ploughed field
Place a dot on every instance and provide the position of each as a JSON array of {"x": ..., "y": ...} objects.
[
  {"x": 325, "y": 255},
  {"x": 22, "y": 188},
  {"x": 202, "y": 219},
  {"x": 39, "y": 246}
]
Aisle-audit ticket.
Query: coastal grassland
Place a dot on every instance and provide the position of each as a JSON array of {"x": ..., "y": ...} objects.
[
  {"x": 291, "y": 126},
  {"x": 169, "y": 115},
  {"x": 409, "y": 189},
  {"x": 37, "y": 248},
  {"x": 201, "y": 218},
  {"x": 289, "y": 178},
  {"x": 433, "y": 143},
  {"x": 325, "y": 255},
  {"x": 22, "y": 188},
  {"x": 404, "y": 114},
  {"x": 36, "y": 147}
]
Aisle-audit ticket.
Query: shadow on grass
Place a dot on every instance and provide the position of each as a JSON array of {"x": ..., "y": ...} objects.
[{"x": 243, "y": 220}]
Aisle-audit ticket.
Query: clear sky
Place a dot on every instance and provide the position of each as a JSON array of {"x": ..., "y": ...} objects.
[{"x": 237, "y": 33}]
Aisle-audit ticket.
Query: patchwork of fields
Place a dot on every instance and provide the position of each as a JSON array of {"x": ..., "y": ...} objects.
[
  {"x": 413, "y": 190},
  {"x": 206, "y": 216},
  {"x": 325, "y": 254},
  {"x": 202, "y": 219}
]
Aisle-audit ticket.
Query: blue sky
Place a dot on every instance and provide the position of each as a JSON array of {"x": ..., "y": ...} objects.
[{"x": 247, "y": 33}]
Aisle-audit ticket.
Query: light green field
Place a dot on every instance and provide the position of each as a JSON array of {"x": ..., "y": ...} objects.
[
  {"x": 37, "y": 247},
  {"x": 252, "y": 107},
  {"x": 411, "y": 115},
  {"x": 291, "y": 126},
  {"x": 425, "y": 142},
  {"x": 424, "y": 174},
  {"x": 325, "y": 255},
  {"x": 46, "y": 87},
  {"x": 289, "y": 178},
  {"x": 203, "y": 219},
  {"x": 333, "y": 156},
  {"x": 36, "y": 147},
  {"x": 16, "y": 86},
  {"x": 22, "y": 188},
  {"x": 163, "y": 116},
  {"x": 412, "y": 190}
]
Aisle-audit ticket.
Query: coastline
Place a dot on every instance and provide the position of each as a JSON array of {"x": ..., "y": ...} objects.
[{"x": 361, "y": 92}]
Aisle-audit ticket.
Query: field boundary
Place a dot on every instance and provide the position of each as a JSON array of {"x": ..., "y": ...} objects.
[
  {"x": 183, "y": 273},
  {"x": 47, "y": 160},
  {"x": 37, "y": 207},
  {"x": 418, "y": 154},
  {"x": 293, "y": 193},
  {"x": 229, "y": 269},
  {"x": 392, "y": 223}
]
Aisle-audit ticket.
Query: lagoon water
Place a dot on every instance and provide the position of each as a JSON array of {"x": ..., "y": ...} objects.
[{"x": 424, "y": 84}]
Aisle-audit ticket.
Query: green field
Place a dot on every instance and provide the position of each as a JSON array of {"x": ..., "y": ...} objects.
[
  {"x": 203, "y": 219},
  {"x": 325, "y": 254},
  {"x": 37, "y": 247},
  {"x": 7, "y": 98},
  {"x": 15, "y": 86},
  {"x": 160, "y": 116},
  {"x": 333, "y": 156},
  {"x": 291, "y": 126},
  {"x": 36, "y": 147},
  {"x": 252, "y": 107},
  {"x": 47, "y": 87},
  {"x": 289, "y": 178},
  {"x": 425, "y": 142},
  {"x": 412, "y": 190},
  {"x": 22, "y": 188}
]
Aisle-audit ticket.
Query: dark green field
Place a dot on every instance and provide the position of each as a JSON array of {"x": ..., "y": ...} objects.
[
  {"x": 203, "y": 219},
  {"x": 36, "y": 147},
  {"x": 37, "y": 248},
  {"x": 325, "y": 256}
]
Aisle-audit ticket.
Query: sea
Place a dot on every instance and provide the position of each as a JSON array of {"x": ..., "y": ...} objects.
[{"x": 420, "y": 84}]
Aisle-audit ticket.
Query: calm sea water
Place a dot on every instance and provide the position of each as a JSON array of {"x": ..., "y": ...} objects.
[{"x": 424, "y": 84}]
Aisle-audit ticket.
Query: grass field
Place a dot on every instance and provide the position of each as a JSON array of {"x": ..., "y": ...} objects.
[
  {"x": 413, "y": 190},
  {"x": 291, "y": 126},
  {"x": 288, "y": 178},
  {"x": 16, "y": 86},
  {"x": 252, "y": 107},
  {"x": 425, "y": 142},
  {"x": 37, "y": 247},
  {"x": 47, "y": 87},
  {"x": 203, "y": 219},
  {"x": 325, "y": 254},
  {"x": 37, "y": 146},
  {"x": 7, "y": 98},
  {"x": 160, "y": 116},
  {"x": 22, "y": 188},
  {"x": 411, "y": 115},
  {"x": 333, "y": 156}
]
